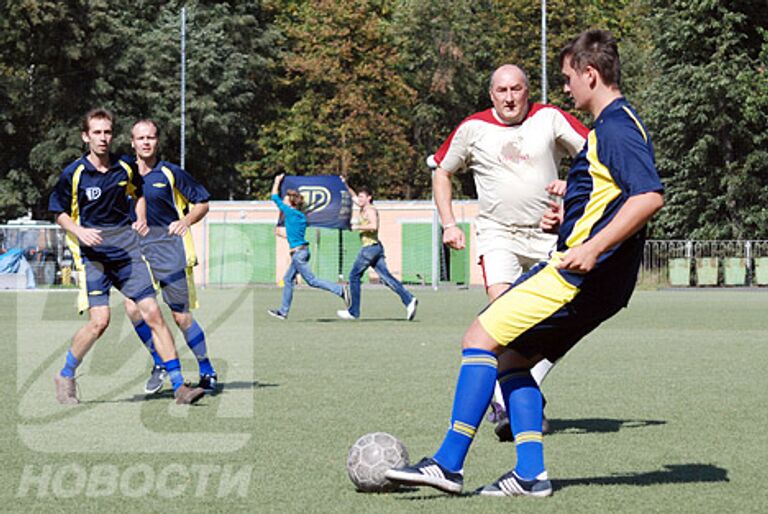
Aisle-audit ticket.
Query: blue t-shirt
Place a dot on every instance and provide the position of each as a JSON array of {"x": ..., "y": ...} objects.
[
  {"x": 617, "y": 162},
  {"x": 295, "y": 223},
  {"x": 100, "y": 200}
]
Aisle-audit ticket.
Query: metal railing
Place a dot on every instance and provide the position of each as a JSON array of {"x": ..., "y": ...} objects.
[{"x": 705, "y": 263}]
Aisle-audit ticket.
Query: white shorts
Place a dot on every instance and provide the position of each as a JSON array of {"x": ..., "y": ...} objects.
[{"x": 506, "y": 253}]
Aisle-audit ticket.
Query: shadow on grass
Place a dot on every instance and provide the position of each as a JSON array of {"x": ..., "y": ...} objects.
[
  {"x": 362, "y": 320},
  {"x": 671, "y": 474},
  {"x": 599, "y": 425},
  {"x": 167, "y": 393}
]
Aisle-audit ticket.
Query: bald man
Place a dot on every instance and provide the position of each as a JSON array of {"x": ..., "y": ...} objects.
[{"x": 513, "y": 151}]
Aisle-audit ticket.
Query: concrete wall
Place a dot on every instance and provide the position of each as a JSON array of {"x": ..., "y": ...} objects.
[{"x": 392, "y": 215}]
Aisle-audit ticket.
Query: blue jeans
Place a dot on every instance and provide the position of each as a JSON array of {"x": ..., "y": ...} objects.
[
  {"x": 300, "y": 265},
  {"x": 373, "y": 257}
]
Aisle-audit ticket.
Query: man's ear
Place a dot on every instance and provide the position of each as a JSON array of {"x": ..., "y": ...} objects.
[
  {"x": 84, "y": 137},
  {"x": 593, "y": 76}
]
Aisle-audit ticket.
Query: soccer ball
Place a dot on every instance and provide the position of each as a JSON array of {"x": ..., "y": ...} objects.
[{"x": 370, "y": 457}]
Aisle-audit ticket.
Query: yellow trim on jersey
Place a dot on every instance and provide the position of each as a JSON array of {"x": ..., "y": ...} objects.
[
  {"x": 193, "y": 304},
  {"x": 82, "y": 293},
  {"x": 527, "y": 304},
  {"x": 131, "y": 189},
  {"x": 637, "y": 122},
  {"x": 604, "y": 191},
  {"x": 72, "y": 242},
  {"x": 181, "y": 203}
]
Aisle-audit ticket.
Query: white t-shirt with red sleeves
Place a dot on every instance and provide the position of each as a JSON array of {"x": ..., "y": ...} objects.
[{"x": 512, "y": 164}]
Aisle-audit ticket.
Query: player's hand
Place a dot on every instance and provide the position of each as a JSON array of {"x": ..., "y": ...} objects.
[
  {"x": 141, "y": 227},
  {"x": 178, "y": 228},
  {"x": 556, "y": 188},
  {"x": 454, "y": 237},
  {"x": 552, "y": 218},
  {"x": 279, "y": 178},
  {"x": 89, "y": 236},
  {"x": 579, "y": 259}
]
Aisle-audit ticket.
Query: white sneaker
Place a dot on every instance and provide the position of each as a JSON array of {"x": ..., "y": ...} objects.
[
  {"x": 410, "y": 311},
  {"x": 344, "y": 314}
]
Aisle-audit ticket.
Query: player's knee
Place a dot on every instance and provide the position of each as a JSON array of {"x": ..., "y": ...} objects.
[
  {"x": 478, "y": 338},
  {"x": 150, "y": 311},
  {"x": 183, "y": 320},
  {"x": 99, "y": 323},
  {"x": 132, "y": 311}
]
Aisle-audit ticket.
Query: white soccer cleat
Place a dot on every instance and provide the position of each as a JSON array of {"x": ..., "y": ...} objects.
[
  {"x": 344, "y": 314},
  {"x": 410, "y": 310}
]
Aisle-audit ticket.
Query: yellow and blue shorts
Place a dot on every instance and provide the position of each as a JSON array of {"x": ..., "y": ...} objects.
[{"x": 543, "y": 314}]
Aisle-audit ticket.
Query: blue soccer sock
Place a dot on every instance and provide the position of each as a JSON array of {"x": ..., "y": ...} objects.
[
  {"x": 70, "y": 365},
  {"x": 173, "y": 367},
  {"x": 525, "y": 410},
  {"x": 195, "y": 338},
  {"x": 145, "y": 334},
  {"x": 477, "y": 379}
]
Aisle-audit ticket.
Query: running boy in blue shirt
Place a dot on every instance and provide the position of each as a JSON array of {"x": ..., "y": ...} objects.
[{"x": 292, "y": 207}]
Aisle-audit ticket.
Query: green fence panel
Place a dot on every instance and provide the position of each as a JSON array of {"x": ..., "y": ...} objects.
[
  {"x": 417, "y": 252},
  {"x": 680, "y": 272},
  {"x": 324, "y": 244},
  {"x": 351, "y": 247},
  {"x": 459, "y": 259},
  {"x": 241, "y": 253},
  {"x": 706, "y": 271},
  {"x": 734, "y": 271},
  {"x": 761, "y": 271}
]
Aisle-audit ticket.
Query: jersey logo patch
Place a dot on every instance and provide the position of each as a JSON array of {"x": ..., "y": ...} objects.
[
  {"x": 122, "y": 183},
  {"x": 93, "y": 193},
  {"x": 159, "y": 184}
]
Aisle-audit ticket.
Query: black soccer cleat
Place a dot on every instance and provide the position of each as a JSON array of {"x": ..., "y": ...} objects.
[
  {"x": 427, "y": 472},
  {"x": 512, "y": 485},
  {"x": 209, "y": 383}
]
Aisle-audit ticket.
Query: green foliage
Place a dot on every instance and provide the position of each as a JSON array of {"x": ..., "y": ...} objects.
[
  {"x": 346, "y": 105},
  {"x": 370, "y": 88},
  {"x": 707, "y": 112}
]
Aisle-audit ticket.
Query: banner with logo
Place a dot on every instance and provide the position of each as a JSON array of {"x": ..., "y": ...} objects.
[{"x": 329, "y": 204}]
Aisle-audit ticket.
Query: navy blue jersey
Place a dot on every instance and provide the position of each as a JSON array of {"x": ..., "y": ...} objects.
[
  {"x": 617, "y": 162},
  {"x": 169, "y": 192},
  {"x": 99, "y": 200}
]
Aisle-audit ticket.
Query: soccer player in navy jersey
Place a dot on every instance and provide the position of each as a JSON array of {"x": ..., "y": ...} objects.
[
  {"x": 174, "y": 202},
  {"x": 613, "y": 190},
  {"x": 91, "y": 202}
]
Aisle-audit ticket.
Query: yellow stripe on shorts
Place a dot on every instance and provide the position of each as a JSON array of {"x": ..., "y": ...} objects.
[{"x": 527, "y": 304}]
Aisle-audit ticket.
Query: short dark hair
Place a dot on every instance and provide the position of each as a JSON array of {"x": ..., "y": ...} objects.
[
  {"x": 148, "y": 121},
  {"x": 97, "y": 113},
  {"x": 366, "y": 190},
  {"x": 595, "y": 48}
]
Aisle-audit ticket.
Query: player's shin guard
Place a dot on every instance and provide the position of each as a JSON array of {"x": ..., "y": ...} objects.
[
  {"x": 173, "y": 367},
  {"x": 477, "y": 377},
  {"x": 195, "y": 338},
  {"x": 524, "y": 407},
  {"x": 145, "y": 334}
]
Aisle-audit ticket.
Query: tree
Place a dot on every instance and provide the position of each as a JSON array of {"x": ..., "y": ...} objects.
[
  {"x": 346, "y": 106},
  {"x": 707, "y": 111}
]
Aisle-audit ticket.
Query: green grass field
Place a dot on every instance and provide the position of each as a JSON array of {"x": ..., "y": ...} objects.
[{"x": 660, "y": 410}]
